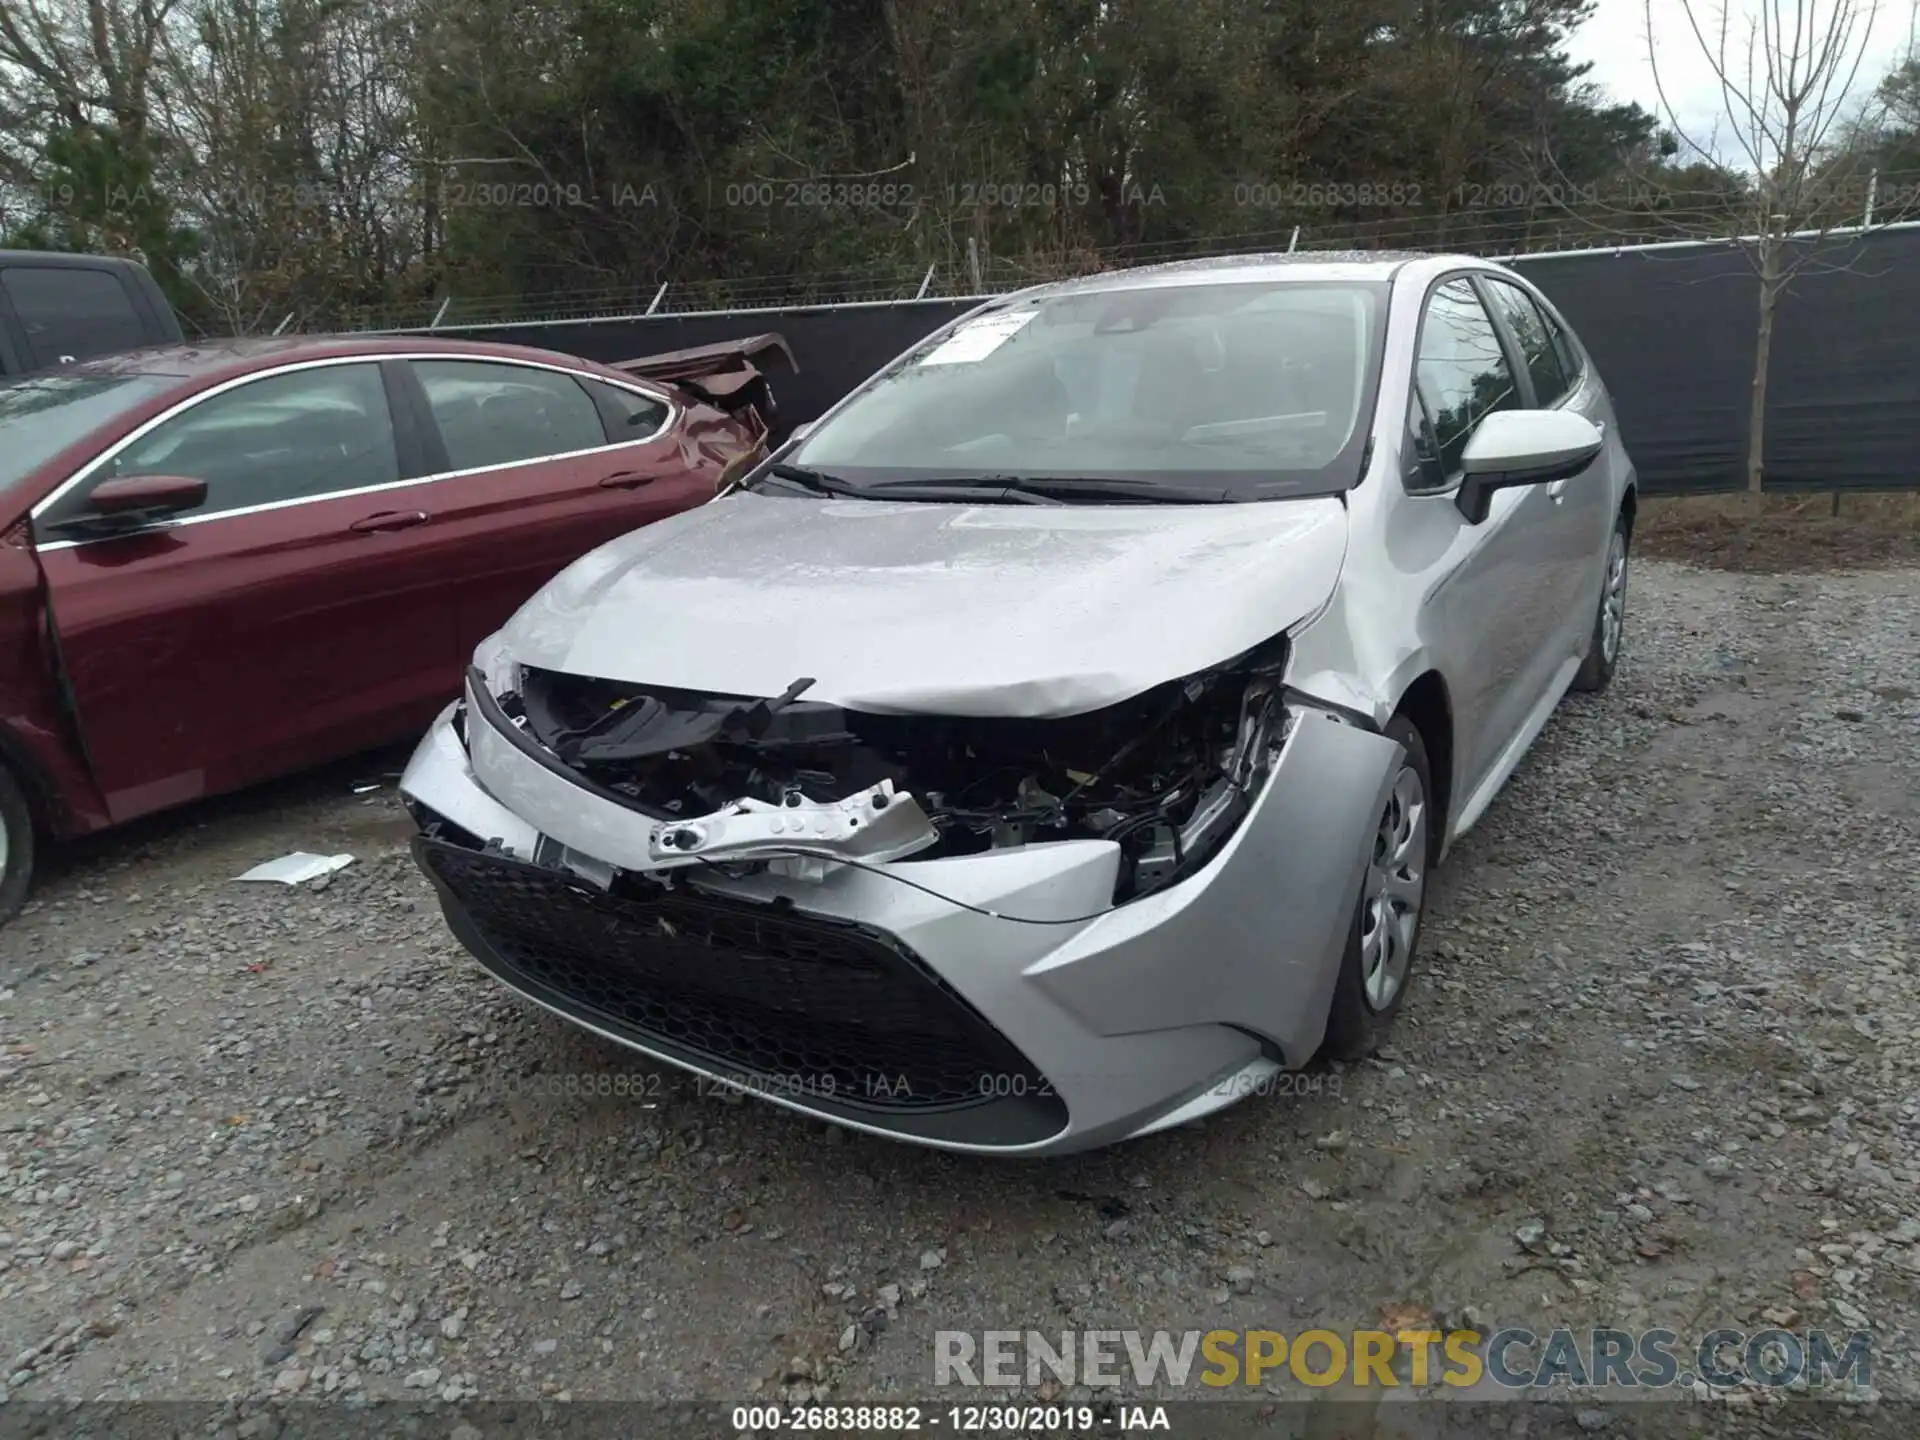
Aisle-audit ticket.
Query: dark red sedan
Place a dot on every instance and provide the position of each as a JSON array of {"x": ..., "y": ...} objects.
[{"x": 223, "y": 562}]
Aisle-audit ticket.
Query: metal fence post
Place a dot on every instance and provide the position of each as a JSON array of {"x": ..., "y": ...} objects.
[
  {"x": 658, "y": 296},
  {"x": 1293, "y": 240},
  {"x": 440, "y": 314},
  {"x": 1873, "y": 193},
  {"x": 925, "y": 281}
]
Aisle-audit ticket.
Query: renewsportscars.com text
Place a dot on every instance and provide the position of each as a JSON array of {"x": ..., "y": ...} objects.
[{"x": 1511, "y": 1358}]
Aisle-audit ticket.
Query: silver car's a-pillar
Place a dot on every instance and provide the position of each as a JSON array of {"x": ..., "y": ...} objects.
[{"x": 1259, "y": 945}]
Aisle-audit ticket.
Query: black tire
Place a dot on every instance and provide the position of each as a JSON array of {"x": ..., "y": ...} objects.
[
  {"x": 16, "y": 829},
  {"x": 1355, "y": 1026},
  {"x": 1596, "y": 671}
]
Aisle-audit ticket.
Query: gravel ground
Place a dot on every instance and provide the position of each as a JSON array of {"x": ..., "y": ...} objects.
[{"x": 1662, "y": 1066}]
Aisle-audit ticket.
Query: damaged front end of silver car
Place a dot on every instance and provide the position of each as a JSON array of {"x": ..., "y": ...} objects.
[
  {"x": 800, "y": 787},
  {"x": 1006, "y": 933}
]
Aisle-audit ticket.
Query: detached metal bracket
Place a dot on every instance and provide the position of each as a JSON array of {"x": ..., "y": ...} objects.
[{"x": 875, "y": 824}]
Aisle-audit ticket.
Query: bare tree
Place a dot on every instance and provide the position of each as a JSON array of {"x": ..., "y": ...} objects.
[
  {"x": 293, "y": 131},
  {"x": 1786, "y": 74}
]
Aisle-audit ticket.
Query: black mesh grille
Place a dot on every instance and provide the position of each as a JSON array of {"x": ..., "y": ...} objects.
[{"x": 820, "y": 1009}]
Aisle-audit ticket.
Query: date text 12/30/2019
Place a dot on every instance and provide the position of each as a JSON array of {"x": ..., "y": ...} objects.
[{"x": 952, "y": 1419}]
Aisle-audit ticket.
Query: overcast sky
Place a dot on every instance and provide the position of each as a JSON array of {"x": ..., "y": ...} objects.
[{"x": 1615, "y": 41}]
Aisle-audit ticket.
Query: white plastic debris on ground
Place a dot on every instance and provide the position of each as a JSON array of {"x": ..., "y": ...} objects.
[{"x": 297, "y": 868}]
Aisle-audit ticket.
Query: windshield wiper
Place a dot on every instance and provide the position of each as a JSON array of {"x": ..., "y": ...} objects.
[
  {"x": 818, "y": 481},
  {"x": 822, "y": 483},
  {"x": 1068, "y": 488}
]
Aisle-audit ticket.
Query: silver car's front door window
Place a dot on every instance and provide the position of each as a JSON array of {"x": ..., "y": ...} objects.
[
  {"x": 1492, "y": 630},
  {"x": 1578, "y": 523}
]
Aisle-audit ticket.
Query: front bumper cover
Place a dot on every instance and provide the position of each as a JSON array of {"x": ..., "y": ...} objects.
[{"x": 1150, "y": 1014}]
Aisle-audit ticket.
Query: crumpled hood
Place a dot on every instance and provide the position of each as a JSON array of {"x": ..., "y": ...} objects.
[{"x": 904, "y": 607}]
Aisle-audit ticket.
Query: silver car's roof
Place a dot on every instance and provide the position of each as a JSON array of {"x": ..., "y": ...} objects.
[{"x": 1264, "y": 268}]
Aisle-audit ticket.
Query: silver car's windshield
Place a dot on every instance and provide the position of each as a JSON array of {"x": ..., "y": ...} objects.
[
  {"x": 1258, "y": 388},
  {"x": 43, "y": 414}
]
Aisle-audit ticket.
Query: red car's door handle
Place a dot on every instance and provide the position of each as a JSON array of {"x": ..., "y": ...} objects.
[
  {"x": 391, "y": 520},
  {"x": 627, "y": 480}
]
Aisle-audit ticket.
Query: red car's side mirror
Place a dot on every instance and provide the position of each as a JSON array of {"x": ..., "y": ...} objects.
[
  {"x": 133, "y": 502},
  {"x": 154, "y": 495}
]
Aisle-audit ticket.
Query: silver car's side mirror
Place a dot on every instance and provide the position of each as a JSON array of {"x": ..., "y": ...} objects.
[{"x": 1523, "y": 447}]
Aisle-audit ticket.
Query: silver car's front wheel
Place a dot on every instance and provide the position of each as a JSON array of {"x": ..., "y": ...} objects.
[
  {"x": 1394, "y": 888},
  {"x": 1377, "y": 967}
]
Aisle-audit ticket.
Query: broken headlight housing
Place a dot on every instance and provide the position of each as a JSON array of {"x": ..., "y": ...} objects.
[{"x": 496, "y": 666}]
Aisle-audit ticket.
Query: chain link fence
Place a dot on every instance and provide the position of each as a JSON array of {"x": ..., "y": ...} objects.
[{"x": 1479, "y": 232}]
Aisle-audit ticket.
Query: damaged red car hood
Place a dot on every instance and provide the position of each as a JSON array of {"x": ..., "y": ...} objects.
[{"x": 913, "y": 607}]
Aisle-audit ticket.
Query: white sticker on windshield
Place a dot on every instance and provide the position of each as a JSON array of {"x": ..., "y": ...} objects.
[{"x": 978, "y": 339}]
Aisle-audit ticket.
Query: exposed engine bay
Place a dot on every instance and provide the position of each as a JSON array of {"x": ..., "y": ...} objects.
[{"x": 1166, "y": 775}]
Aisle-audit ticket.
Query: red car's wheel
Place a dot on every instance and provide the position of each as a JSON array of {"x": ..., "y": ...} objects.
[{"x": 16, "y": 845}]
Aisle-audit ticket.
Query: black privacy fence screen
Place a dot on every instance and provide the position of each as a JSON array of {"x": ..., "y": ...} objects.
[{"x": 1673, "y": 328}]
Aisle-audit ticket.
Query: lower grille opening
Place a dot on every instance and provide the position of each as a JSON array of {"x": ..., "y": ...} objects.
[{"x": 834, "y": 1015}]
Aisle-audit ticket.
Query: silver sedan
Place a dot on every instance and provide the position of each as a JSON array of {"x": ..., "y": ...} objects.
[{"x": 1053, "y": 743}]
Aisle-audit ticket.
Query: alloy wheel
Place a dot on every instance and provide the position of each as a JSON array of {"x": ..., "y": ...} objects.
[
  {"x": 1613, "y": 602},
  {"x": 1395, "y": 887}
]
